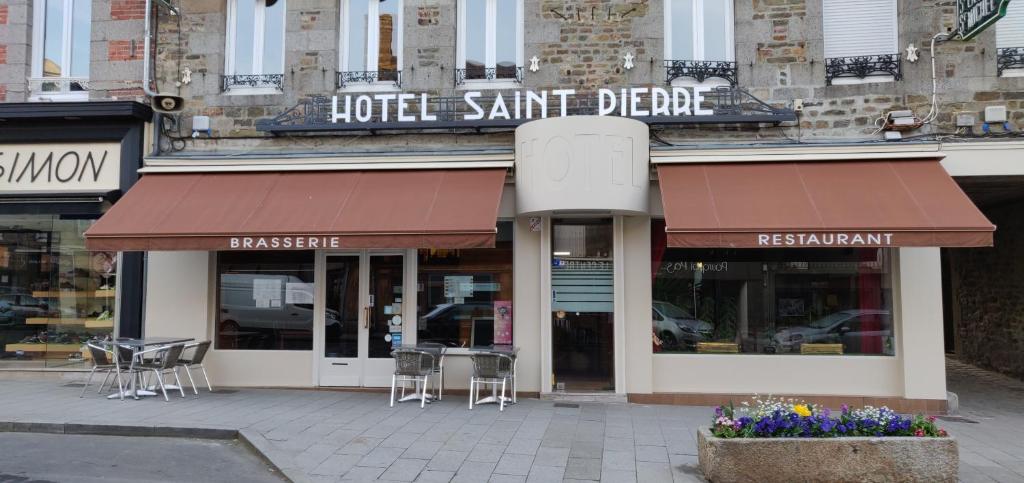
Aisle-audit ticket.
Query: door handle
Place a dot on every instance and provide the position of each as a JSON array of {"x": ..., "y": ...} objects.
[{"x": 366, "y": 318}]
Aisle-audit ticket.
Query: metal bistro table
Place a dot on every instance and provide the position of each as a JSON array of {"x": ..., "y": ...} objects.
[
  {"x": 438, "y": 351},
  {"x": 510, "y": 351},
  {"x": 137, "y": 346}
]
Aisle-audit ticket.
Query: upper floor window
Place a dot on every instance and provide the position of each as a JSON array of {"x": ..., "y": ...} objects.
[
  {"x": 490, "y": 43},
  {"x": 371, "y": 43},
  {"x": 861, "y": 41},
  {"x": 60, "y": 64},
  {"x": 699, "y": 41},
  {"x": 254, "y": 60},
  {"x": 1010, "y": 41}
]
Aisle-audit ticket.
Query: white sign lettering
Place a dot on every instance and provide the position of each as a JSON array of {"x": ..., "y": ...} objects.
[
  {"x": 529, "y": 104},
  {"x": 283, "y": 242},
  {"x": 824, "y": 239},
  {"x": 46, "y": 168}
]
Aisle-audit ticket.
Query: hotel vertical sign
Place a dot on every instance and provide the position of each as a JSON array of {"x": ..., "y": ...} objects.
[{"x": 974, "y": 16}]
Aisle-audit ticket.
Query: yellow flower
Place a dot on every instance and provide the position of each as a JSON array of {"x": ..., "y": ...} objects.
[{"x": 802, "y": 410}]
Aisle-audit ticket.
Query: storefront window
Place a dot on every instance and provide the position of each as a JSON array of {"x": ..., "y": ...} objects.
[
  {"x": 465, "y": 296},
  {"x": 54, "y": 295},
  {"x": 771, "y": 301},
  {"x": 264, "y": 301}
]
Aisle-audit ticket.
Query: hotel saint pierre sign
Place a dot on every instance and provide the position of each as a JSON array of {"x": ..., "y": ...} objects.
[
  {"x": 398, "y": 111},
  {"x": 59, "y": 168}
]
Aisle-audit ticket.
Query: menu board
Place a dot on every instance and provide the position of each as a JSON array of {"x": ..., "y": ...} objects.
[
  {"x": 503, "y": 322},
  {"x": 266, "y": 292}
]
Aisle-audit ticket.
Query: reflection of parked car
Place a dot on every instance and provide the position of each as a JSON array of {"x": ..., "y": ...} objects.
[
  {"x": 860, "y": 331},
  {"x": 241, "y": 311},
  {"x": 677, "y": 328},
  {"x": 15, "y": 308},
  {"x": 444, "y": 324}
]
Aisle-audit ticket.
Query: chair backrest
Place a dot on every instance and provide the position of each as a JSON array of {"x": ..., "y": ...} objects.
[
  {"x": 199, "y": 352},
  {"x": 124, "y": 355},
  {"x": 410, "y": 362},
  {"x": 491, "y": 365},
  {"x": 170, "y": 356},
  {"x": 100, "y": 356},
  {"x": 436, "y": 348}
]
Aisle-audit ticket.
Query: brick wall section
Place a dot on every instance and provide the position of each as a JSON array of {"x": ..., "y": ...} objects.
[
  {"x": 3, "y": 54},
  {"x": 122, "y": 50},
  {"x": 3, "y": 93},
  {"x": 4, "y": 10},
  {"x": 990, "y": 295},
  {"x": 127, "y": 9}
]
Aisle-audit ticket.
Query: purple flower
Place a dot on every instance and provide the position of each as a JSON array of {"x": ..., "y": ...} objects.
[{"x": 845, "y": 408}]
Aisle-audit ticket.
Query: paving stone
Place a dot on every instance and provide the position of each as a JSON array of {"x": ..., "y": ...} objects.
[
  {"x": 545, "y": 474},
  {"x": 523, "y": 446},
  {"x": 586, "y": 449},
  {"x": 655, "y": 454},
  {"x": 422, "y": 450},
  {"x": 474, "y": 472},
  {"x": 651, "y": 472},
  {"x": 433, "y": 476},
  {"x": 362, "y": 473},
  {"x": 619, "y": 460},
  {"x": 514, "y": 464},
  {"x": 447, "y": 460},
  {"x": 381, "y": 457},
  {"x": 336, "y": 465},
  {"x": 488, "y": 453},
  {"x": 618, "y": 476},
  {"x": 551, "y": 457},
  {"x": 583, "y": 468},
  {"x": 404, "y": 469}
]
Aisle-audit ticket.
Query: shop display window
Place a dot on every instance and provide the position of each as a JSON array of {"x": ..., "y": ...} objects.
[
  {"x": 54, "y": 294},
  {"x": 465, "y": 296},
  {"x": 263, "y": 301},
  {"x": 835, "y": 301}
]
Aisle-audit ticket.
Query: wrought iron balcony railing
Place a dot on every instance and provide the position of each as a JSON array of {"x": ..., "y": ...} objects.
[
  {"x": 489, "y": 74},
  {"x": 701, "y": 70},
  {"x": 348, "y": 78},
  {"x": 275, "y": 81},
  {"x": 863, "y": 66},
  {"x": 1009, "y": 58},
  {"x": 58, "y": 85}
]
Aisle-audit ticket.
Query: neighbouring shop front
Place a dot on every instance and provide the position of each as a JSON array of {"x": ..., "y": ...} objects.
[
  {"x": 62, "y": 166},
  {"x": 653, "y": 275}
]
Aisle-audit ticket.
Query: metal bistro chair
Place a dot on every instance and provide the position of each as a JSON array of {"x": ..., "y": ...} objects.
[
  {"x": 412, "y": 365},
  {"x": 124, "y": 358},
  {"x": 165, "y": 361},
  {"x": 188, "y": 360},
  {"x": 102, "y": 362},
  {"x": 438, "y": 363},
  {"x": 490, "y": 368}
]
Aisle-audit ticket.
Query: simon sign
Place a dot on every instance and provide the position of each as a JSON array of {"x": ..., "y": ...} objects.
[
  {"x": 974, "y": 16},
  {"x": 478, "y": 110}
]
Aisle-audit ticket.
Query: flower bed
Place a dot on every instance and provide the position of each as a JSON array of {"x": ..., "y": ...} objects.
[{"x": 777, "y": 440}]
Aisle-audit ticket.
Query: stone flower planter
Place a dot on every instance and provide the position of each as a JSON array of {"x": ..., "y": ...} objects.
[{"x": 902, "y": 459}]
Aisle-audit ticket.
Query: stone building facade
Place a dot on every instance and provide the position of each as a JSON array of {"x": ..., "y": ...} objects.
[{"x": 778, "y": 55}]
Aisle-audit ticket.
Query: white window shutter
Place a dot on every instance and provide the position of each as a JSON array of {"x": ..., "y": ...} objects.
[
  {"x": 1010, "y": 29},
  {"x": 860, "y": 27}
]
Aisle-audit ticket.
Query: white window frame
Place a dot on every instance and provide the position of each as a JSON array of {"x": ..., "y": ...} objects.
[
  {"x": 490, "y": 47},
  {"x": 372, "y": 45},
  {"x": 259, "y": 19},
  {"x": 698, "y": 40},
  {"x": 1012, "y": 9},
  {"x": 38, "y": 39},
  {"x": 871, "y": 79}
]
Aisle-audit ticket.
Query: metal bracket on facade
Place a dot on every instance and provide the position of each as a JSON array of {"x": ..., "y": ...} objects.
[
  {"x": 863, "y": 66},
  {"x": 701, "y": 70}
]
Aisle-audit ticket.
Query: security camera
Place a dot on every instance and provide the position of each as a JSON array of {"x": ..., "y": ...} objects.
[{"x": 162, "y": 103}]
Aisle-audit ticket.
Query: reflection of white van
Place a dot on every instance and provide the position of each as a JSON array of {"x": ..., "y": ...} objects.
[{"x": 259, "y": 302}]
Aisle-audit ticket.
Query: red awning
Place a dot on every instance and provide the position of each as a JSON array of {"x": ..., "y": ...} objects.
[
  {"x": 818, "y": 204},
  {"x": 443, "y": 208}
]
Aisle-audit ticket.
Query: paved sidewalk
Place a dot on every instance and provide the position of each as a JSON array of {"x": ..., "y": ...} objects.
[{"x": 354, "y": 436}]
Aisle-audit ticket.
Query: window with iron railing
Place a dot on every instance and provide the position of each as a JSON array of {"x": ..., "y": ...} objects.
[
  {"x": 254, "y": 57},
  {"x": 1010, "y": 42},
  {"x": 699, "y": 42},
  {"x": 60, "y": 58},
  {"x": 861, "y": 41},
  {"x": 490, "y": 42},
  {"x": 370, "y": 51}
]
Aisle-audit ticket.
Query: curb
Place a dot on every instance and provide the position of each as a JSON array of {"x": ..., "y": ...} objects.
[{"x": 253, "y": 440}]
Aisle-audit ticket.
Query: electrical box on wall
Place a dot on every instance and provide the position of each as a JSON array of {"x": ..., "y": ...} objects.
[
  {"x": 964, "y": 120},
  {"x": 995, "y": 114}
]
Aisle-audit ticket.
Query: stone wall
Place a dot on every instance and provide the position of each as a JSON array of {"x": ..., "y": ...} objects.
[
  {"x": 989, "y": 295},
  {"x": 15, "y": 38}
]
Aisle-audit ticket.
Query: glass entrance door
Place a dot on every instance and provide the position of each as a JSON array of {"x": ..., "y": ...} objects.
[
  {"x": 582, "y": 305},
  {"x": 362, "y": 318}
]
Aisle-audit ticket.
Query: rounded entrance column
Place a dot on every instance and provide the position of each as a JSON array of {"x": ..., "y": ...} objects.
[
  {"x": 570, "y": 169},
  {"x": 594, "y": 164}
]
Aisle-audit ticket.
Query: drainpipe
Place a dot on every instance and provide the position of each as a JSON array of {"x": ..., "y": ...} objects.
[{"x": 145, "y": 77}]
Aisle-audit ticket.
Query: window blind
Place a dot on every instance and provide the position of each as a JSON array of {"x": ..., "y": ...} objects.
[
  {"x": 860, "y": 27},
  {"x": 1010, "y": 29}
]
